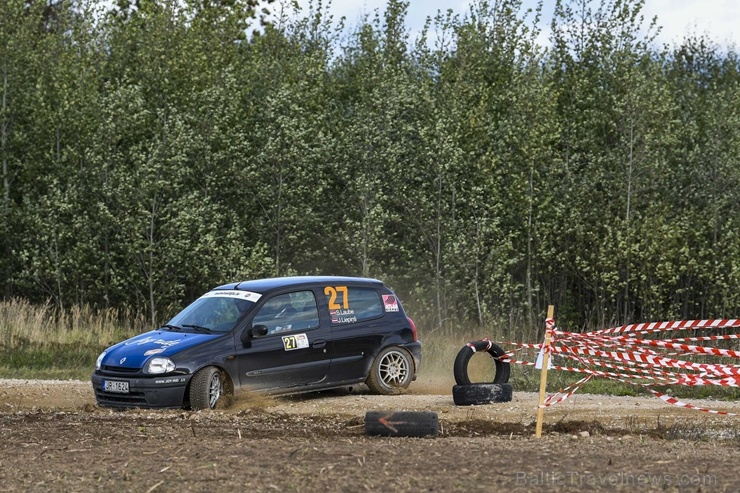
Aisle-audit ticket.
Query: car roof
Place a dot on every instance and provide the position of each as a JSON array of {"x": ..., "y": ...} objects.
[{"x": 273, "y": 283}]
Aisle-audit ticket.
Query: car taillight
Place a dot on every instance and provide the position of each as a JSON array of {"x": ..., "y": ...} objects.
[{"x": 413, "y": 328}]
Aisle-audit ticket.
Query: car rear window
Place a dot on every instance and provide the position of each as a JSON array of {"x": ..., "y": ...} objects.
[{"x": 349, "y": 304}]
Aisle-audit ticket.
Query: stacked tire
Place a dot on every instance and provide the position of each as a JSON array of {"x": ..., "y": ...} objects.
[{"x": 467, "y": 393}]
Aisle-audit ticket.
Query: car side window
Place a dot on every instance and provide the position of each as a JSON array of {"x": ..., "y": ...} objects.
[
  {"x": 288, "y": 312},
  {"x": 349, "y": 304}
]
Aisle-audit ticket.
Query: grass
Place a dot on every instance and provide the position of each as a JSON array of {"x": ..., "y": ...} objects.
[{"x": 43, "y": 342}]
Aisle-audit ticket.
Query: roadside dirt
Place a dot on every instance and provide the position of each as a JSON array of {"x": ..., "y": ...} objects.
[{"x": 54, "y": 438}]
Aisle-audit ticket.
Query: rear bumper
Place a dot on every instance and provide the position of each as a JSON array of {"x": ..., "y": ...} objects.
[
  {"x": 415, "y": 349},
  {"x": 152, "y": 392}
]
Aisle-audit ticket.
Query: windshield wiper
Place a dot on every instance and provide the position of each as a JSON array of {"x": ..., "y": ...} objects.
[
  {"x": 197, "y": 327},
  {"x": 174, "y": 328}
]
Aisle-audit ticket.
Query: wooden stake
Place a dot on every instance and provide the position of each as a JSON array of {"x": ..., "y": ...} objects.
[{"x": 543, "y": 372}]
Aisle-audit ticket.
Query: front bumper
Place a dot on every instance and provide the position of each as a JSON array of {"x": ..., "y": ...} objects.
[{"x": 150, "y": 392}]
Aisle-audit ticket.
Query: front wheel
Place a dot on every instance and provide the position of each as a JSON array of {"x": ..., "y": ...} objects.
[
  {"x": 206, "y": 388},
  {"x": 391, "y": 372}
]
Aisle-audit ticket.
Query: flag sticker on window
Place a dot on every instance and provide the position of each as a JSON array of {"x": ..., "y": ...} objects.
[{"x": 390, "y": 302}]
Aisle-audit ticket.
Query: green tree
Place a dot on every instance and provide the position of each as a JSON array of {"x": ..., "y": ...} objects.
[
  {"x": 703, "y": 177},
  {"x": 614, "y": 112},
  {"x": 19, "y": 65}
]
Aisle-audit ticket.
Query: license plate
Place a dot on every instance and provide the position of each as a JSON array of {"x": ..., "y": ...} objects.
[{"x": 115, "y": 386}]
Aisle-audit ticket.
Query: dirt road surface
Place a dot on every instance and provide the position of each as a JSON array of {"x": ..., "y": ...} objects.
[{"x": 54, "y": 438}]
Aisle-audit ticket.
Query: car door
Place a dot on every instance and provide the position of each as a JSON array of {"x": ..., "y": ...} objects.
[
  {"x": 296, "y": 349},
  {"x": 357, "y": 326}
]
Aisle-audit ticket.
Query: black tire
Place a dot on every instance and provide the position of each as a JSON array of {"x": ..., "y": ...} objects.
[
  {"x": 206, "y": 388},
  {"x": 401, "y": 423},
  {"x": 477, "y": 394},
  {"x": 503, "y": 368},
  {"x": 391, "y": 371}
]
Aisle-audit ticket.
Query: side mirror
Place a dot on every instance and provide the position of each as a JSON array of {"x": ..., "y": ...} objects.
[
  {"x": 256, "y": 331},
  {"x": 259, "y": 330}
]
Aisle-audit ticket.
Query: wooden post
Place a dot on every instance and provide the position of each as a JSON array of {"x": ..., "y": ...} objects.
[{"x": 549, "y": 324}]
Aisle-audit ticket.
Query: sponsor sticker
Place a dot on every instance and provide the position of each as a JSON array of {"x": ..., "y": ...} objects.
[
  {"x": 234, "y": 293},
  {"x": 170, "y": 380},
  {"x": 153, "y": 340},
  {"x": 390, "y": 302}
]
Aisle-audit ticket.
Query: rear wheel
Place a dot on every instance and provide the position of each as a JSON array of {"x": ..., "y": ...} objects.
[
  {"x": 206, "y": 388},
  {"x": 392, "y": 371}
]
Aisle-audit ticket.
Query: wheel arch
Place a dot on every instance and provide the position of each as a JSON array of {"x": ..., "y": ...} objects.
[
  {"x": 375, "y": 380},
  {"x": 387, "y": 343},
  {"x": 229, "y": 387}
]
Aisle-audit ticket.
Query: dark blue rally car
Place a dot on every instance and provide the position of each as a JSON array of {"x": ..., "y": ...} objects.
[{"x": 280, "y": 335}]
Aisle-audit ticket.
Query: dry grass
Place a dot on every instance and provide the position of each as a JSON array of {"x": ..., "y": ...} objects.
[
  {"x": 42, "y": 341},
  {"x": 23, "y": 322}
]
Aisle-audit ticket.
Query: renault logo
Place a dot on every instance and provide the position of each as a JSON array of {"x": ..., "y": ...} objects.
[{"x": 122, "y": 360}]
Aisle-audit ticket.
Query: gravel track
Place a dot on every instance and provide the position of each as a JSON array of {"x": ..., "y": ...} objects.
[{"x": 54, "y": 438}]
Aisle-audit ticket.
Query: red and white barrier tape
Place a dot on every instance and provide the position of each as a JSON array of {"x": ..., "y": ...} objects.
[
  {"x": 676, "y": 402},
  {"x": 639, "y": 361},
  {"x": 565, "y": 393},
  {"x": 673, "y": 325}
]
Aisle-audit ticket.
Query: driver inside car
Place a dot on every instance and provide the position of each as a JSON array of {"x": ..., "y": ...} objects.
[
  {"x": 283, "y": 318},
  {"x": 276, "y": 315}
]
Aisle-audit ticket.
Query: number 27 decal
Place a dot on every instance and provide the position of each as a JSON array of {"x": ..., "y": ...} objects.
[
  {"x": 333, "y": 292},
  {"x": 290, "y": 343},
  {"x": 298, "y": 341}
]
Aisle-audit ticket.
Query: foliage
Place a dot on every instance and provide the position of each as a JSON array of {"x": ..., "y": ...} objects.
[{"x": 152, "y": 150}]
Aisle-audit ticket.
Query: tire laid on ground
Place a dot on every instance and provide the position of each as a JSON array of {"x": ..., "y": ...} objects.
[
  {"x": 503, "y": 368},
  {"x": 476, "y": 394},
  {"x": 391, "y": 371},
  {"x": 206, "y": 388},
  {"x": 401, "y": 423}
]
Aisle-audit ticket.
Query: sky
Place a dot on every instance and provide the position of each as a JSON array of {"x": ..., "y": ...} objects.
[{"x": 718, "y": 19}]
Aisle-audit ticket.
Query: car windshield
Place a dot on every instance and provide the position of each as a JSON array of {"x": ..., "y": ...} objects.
[{"x": 211, "y": 314}]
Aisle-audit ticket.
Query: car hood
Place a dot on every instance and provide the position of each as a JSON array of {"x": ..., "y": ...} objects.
[{"x": 134, "y": 352}]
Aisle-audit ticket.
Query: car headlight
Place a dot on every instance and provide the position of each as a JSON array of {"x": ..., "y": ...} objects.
[
  {"x": 99, "y": 361},
  {"x": 159, "y": 365}
]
